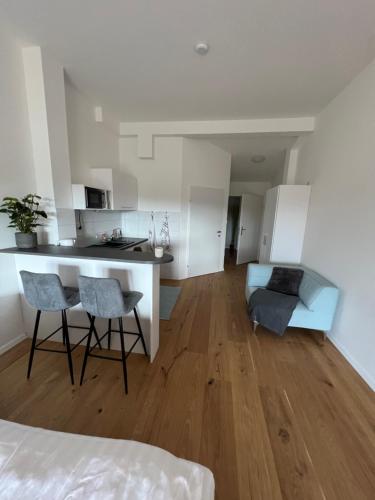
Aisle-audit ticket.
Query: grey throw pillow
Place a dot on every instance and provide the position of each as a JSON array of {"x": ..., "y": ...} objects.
[{"x": 285, "y": 280}]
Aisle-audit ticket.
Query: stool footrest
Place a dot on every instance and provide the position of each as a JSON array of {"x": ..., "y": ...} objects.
[
  {"x": 129, "y": 333},
  {"x": 35, "y": 345},
  {"x": 60, "y": 328},
  {"x": 50, "y": 350},
  {"x": 115, "y": 331},
  {"x": 106, "y": 357},
  {"x": 124, "y": 354},
  {"x": 48, "y": 337}
]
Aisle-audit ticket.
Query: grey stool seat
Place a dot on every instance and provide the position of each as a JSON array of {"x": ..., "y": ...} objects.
[
  {"x": 72, "y": 296},
  {"x": 45, "y": 292},
  {"x": 131, "y": 299},
  {"x": 104, "y": 298}
]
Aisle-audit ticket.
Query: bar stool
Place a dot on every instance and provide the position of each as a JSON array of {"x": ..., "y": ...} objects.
[
  {"x": 45, "y": 293},
  {"x": 103, "y": 298}
]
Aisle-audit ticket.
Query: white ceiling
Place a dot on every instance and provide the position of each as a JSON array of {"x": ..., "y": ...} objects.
[
  {"x": 242, "y": 148},
  {"x": 267, "y": 58}
]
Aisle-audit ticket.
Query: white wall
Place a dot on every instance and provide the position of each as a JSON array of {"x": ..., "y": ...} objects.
[
  {"x": 203, "y": 165},
  {"x": 47, "y": 118},
  {"x": 16, "y": 173},
  {"x": 91, "y": 143},
  {"x": 237, "y": 188},
  {"x": 38, "y": 124},
  {"x": 159, "y": 178},
  {"x": 159, "y": 190},
  {"x": 163, "y": 185},
  {"x": 279, "y": 175},
  {"x": 339, "y": 162}
]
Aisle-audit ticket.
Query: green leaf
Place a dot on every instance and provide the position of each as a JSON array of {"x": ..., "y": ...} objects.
[
  {"x": 42, "y": 213},
  {"x": 23, "y": 213}
]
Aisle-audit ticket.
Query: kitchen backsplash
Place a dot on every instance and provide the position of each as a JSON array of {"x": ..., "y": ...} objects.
[
  {"x": 134, "y": 224},
  {"x": 93, "y": 222}
]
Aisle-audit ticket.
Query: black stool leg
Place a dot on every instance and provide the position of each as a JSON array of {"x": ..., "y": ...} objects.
[
  {"x": 63, "y": 331},
  {"x": 109, "y": 333},
  {"x": 92, "y": 326},
  {"x": 95, "y": 332},
  {"x": 140, "y": 330},
  {"x": 68, "y": 350},
  {"x": 31, "y": 357},
  {"x": 123, "y": 355}
]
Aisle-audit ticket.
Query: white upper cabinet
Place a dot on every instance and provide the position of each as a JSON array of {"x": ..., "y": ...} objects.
[{"x": 123, "y": 188}]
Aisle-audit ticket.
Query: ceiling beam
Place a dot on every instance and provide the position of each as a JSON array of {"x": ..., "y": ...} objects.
[
  {"x": 218, "y": 127},
  {"x": 145, "y": 131}
]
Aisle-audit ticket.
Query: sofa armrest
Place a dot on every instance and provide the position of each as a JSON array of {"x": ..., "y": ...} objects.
[{"x": 258, "y": 275}]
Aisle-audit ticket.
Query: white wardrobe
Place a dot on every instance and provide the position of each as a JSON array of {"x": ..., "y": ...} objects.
[{"x": 283, "y": 226}]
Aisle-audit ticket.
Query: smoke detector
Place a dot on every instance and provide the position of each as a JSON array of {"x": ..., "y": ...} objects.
[
  {"x": 201, "y": 48},
  {"x": 258, "y": 158}
]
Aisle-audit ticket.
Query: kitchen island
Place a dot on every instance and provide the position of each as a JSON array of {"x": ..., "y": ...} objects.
[{"x": 136, "y": 270}]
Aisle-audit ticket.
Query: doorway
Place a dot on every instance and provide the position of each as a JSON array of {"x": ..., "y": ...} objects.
[
  {"x": 251, "y": 213},
  {"x": 243, "y": 228},
  {"x": 234, "y": 203}
]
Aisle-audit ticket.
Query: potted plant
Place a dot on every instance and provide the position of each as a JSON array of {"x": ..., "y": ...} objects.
[{"x": 24, "y": 214}]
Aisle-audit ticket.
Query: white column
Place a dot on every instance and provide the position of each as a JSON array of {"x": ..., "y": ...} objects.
[
  {"x": 45, "y": 92},
  {"x": 291, "y": 162}
]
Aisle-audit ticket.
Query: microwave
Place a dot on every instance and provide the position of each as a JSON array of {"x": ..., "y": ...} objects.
[
  {"x": 96, "y": 198},
  {"x": 85, "y": 197}
]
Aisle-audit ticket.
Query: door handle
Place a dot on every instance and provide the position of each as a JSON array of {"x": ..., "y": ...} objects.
[
  {"x": 242, "y": 229},
  {"x": 218, "y": 234}
]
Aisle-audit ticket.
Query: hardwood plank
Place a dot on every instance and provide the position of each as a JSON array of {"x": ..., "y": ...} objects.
[
  {"x": 198, "y": 341},
  {"x": 297, "y": 475},
  {"x": 177, "y": 425},
  {"x": 274, "y": 418},
  {"x": 218, "y": 448},
  {"x": 330, "y": 437},
  {"x": 218, "y": 361},
  {"x": 14, "y": 353},
  {"x": 256, "y": 467}
]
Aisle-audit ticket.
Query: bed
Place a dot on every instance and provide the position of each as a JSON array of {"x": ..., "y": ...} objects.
[{"x": 41, "y": 464}]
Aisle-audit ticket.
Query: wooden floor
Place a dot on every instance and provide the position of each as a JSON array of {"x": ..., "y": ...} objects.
[{"x": 273, "y": 418}]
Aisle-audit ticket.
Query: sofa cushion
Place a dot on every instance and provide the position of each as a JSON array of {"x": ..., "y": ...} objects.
[
  {"x": 309, "y": 291},
  {"x": 302, "y": 316},
  {"x": 258, "y": 274},
  {"x": 285, "y": 280},
  {"x": 312, "y": 285}
]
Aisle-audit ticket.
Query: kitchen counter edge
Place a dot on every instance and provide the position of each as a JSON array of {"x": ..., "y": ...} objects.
[{"x": 91, "y": 253}]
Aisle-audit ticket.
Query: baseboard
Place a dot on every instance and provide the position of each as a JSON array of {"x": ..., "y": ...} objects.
[
  {"x": 12, "y": 343},
  {"x": 370, "y": 381}
]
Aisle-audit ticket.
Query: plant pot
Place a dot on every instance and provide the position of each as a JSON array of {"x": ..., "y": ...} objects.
[{"x": 26, "y": 240}]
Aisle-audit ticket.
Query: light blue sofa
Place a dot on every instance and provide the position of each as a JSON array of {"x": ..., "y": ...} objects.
[{"x": 318, "y": 296}]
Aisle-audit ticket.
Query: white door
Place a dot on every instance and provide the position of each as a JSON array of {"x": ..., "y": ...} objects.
[
  {"x": 206, "y": 232},
  {"x": 251, "y": 210}
]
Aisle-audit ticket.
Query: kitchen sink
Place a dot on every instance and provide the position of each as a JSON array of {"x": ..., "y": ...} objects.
[{"x": 120, "y": 243}]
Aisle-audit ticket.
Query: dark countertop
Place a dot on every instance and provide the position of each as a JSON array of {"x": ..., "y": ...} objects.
[{"x": 92, "y": 253}]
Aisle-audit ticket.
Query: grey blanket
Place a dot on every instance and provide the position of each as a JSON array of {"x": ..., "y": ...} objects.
[{"x": 272, "y": 310}]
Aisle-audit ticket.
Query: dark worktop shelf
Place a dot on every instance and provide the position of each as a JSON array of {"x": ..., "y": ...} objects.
[{"x": 91, "y": 253}]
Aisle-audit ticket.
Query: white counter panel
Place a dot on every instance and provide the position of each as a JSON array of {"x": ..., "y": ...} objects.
[{"x": 143, "y": 278}]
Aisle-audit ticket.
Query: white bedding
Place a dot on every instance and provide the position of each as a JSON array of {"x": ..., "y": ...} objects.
[{"x": 37, "y": 463}]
